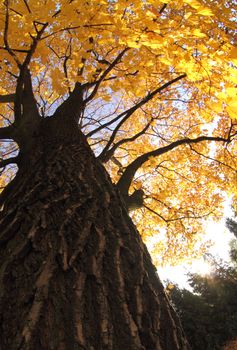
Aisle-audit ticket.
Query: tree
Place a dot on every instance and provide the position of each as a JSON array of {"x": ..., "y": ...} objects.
[
  {"x": 137, "y": 82},
  {"x": 209, "y": 312},
  {"x": 196, "y": 318}
]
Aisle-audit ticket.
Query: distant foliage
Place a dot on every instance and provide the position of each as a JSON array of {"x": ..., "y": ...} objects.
[{"x": 209, "y": 313}]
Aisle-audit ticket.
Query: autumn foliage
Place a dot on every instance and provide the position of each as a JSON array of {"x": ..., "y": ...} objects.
[{"x": 159, "y": 89}]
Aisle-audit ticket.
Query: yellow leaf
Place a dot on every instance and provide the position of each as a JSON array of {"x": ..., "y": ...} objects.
[
  {"x": 196, "y": 32},
  {"x": 231, "y": 92},
  {"x": 193, "y": 3},
  {"x": 134, "y": 44},
  {"x": 205, "y": 11},
  {"x": 232, "y": 109},
  {"x": 107, "y": 98},
  {"x": 233, "y": 53},
  {"x": 138, "y": 185}
]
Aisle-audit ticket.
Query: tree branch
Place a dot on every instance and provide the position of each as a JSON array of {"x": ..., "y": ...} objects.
[
  {"x": 154, "y": 212},
  {"x": 6, "y": 133},
  {"x": 211, "y": 158},
  {"x": 29, "y": 104},
  {"x": 163, "y": 8},
  {"x": 105, "y": 73},
  {"x": 130, "y": 111},
  {"x": 27, "y": 6},
  {"x": 187, "y": 216},
  {"x": 7, "y": 98},
  {"x": 5, "y": 162},
  {"x": 23, "y": 77},
  {"x": 128, "y": 175},
  {"x": 14, "y": 50},
  {"x": 73, "y": 105},
  {"x": 5, "y": 35},
  {"x": 107, "y": 156}
]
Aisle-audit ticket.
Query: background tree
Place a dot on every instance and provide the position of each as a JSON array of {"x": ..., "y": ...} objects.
[
  {"x": 209, "y": 312},
  {"x": 150, "y": 86}
]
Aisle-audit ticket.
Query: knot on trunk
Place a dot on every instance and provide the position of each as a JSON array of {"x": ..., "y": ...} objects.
[{"x": 135, "y": 200}]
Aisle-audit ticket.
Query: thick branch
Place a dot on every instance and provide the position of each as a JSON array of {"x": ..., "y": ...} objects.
[
  {"x": 128, "y": 175},
  {"x": 6, "y": 133},
  {"x": 24, "y": 127},
  {"x": 130, "y": 111},
  {"x": 30, "y": 109},
  {"x": 7, "y": 98},
  {"x": 24, "y": 73},
  {"x": 73, "y": 105},
  {"x": 5, "y": 162}
]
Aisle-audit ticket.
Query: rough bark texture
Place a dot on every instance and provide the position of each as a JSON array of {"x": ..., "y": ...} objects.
[{"x": 74, "y": 272}]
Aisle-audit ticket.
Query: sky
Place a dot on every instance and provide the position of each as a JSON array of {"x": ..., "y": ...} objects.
[{"x": 219, "y": 235}]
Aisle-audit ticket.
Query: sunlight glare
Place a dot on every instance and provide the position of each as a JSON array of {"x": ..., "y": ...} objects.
[{"x": 201, "y": 267}]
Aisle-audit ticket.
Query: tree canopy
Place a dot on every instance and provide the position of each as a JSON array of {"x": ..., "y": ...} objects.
[{"x": 158, "y": 82}]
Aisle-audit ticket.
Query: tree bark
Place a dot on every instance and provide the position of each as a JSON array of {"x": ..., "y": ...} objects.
[{"x": 74, "y": 272}]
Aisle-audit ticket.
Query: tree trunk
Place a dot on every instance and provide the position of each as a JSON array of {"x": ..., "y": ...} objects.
[{"x": 74, "y": 272}]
